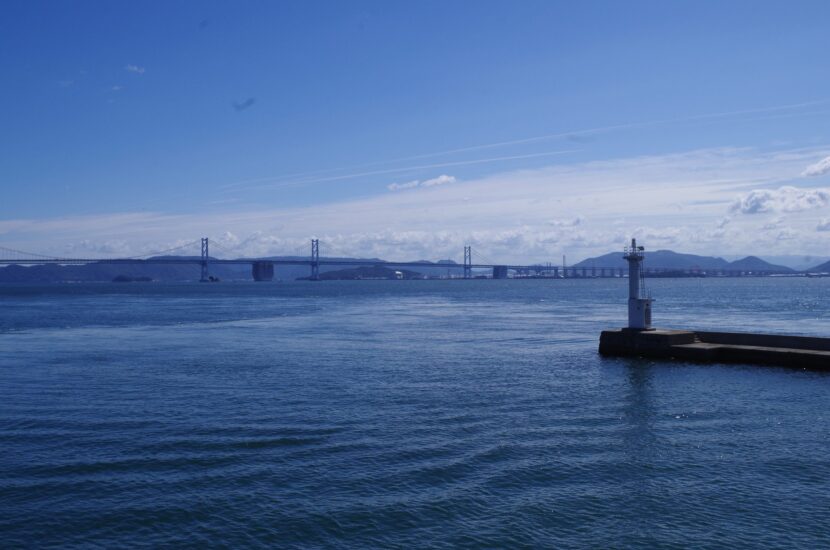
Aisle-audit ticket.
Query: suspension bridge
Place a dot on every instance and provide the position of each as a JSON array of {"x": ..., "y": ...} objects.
[{"x": 263, "y": 269}]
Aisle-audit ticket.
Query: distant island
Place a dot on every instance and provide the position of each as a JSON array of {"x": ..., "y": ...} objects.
[
  {"x": 103, "y": 272},
  {"x": 669, "y": 259}
]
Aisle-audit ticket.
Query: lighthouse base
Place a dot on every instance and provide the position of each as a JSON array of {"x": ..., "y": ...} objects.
[{"x": 718, "y": 347}]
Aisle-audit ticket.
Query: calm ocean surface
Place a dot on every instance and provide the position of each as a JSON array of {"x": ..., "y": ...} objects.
[{"x": 403, "y": 414}]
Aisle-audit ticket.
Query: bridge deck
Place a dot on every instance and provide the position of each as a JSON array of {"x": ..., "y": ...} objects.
[{"x": 584, "y": 271}]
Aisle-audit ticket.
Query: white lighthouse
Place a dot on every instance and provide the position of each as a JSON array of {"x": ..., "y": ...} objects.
[{"x": 639, "y": 307}]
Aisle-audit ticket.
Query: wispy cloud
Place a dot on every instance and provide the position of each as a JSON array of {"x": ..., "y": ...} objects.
[
  {"x": 573, "y": 222},
  {"x": 511, "y": 216},
  {"x": 440, "y": 180},
  {"x": 818, "y": 169},
  {"x": 293, "y": 183},
  {"x": 775, "y": 223},
  {"x": 399, "y": 186},
  {"x": 135, "y": 69},
  {"x": 576, "y": 135}
]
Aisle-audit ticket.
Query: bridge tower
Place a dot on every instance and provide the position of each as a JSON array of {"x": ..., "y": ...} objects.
[
  {"x": 315, "y": 259},
  {"x": 639, "y": 306},
  {"x": 205, "y": 259},
  {"x": 468, "y": 262}
]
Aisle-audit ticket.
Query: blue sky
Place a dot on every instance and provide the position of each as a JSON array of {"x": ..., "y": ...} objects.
[{"x": 531, "y": 128}]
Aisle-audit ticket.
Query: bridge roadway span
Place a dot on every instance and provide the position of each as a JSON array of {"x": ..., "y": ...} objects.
[
  {"x": 263, "y": 268},
  {"x": 238, "y": 261}
]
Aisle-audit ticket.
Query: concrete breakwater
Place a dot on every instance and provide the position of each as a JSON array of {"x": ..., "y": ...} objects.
[{"x": 718, "y": 347}]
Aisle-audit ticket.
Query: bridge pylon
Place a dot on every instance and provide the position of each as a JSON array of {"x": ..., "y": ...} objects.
[
  {"x": 315, "y": 259},
  {"x": 204, "y": 261},
  {"x": 468, "y": 262}
]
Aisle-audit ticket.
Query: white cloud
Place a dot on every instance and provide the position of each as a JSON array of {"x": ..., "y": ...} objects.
[
  {"x": 823, "y": 225},
  {"x": 399, "y": 186},
  {"x": 440, "y": 180},
  {"x": 573, "y": 222},
  {"x": 518, "y": 216},
  {"x": 783, "y": 199},
  {"x": 106, "y": 248},
  {"x": 116, "y": 88},
  {"x": 774, "y": 223},
  {"x": 135, "y": 69},
  {"x": 787, "y": 234},
  {"x": 818, "y": 169},
  {"x": 443, "y": 179}
]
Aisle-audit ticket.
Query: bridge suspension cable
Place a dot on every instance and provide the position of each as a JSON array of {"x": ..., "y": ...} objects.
[
  {"x": 334, "y": 251},
  {"x": 13, "y": 253},
  {"x": 215, "y": 244},
  {"x": 479, "y": 256},
  {"x": 25, "y": 254},
  {"x": 302, "y": 249},
  {"x": 160, "y": 252}
]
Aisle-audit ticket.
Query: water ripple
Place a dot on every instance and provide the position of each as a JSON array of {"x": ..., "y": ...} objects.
[{"x": 402, "y": 414}]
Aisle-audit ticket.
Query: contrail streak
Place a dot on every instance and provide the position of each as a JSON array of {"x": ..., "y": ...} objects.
[
  {"x": 559, "y": 135},
  {"x": 407, "y": 168}
]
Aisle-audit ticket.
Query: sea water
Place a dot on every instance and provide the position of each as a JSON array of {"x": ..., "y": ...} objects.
[{"x": 402, "y": 414}]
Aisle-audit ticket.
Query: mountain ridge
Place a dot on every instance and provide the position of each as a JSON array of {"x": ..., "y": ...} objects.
[
  {"x": 821, "y": 268},
  {"x": 104, "y": 272},
  {"x": 675, "y": 260}
]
